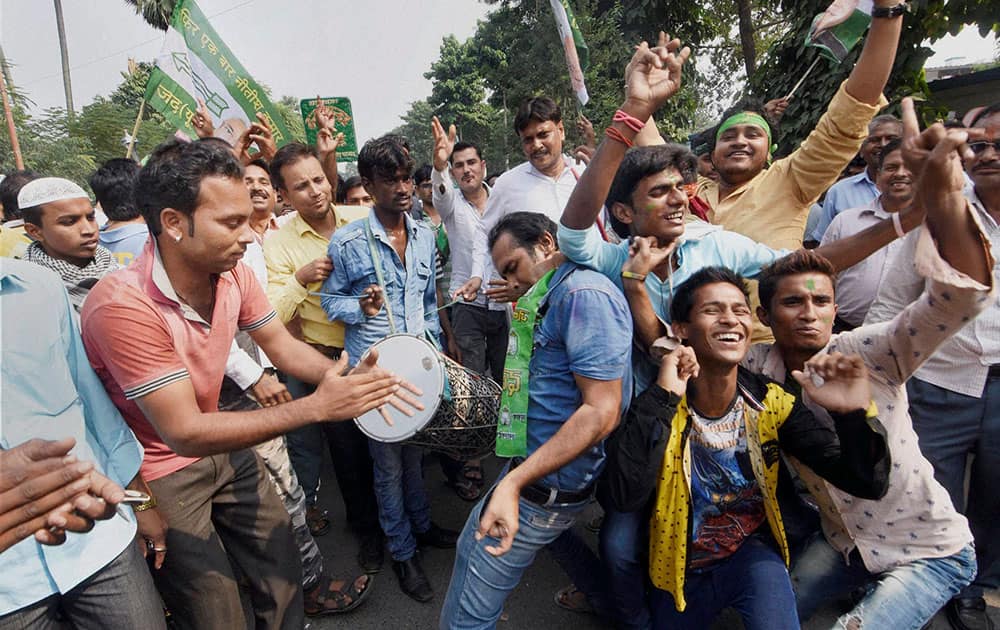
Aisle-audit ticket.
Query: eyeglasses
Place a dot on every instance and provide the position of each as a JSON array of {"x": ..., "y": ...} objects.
[{"x": 980, "y": 147}]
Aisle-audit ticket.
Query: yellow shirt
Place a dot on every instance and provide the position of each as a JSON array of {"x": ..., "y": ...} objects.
[
  {"x": 772, "y": 208},
  {"x": 13, "y": 242},
  {"x": 295, "y": 245}
]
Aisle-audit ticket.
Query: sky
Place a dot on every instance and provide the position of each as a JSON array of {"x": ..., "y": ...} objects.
[{"x": 374, "y": 51}]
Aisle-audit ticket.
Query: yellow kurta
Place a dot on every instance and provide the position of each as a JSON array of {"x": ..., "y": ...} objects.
[{"x": 772, "y": 208}]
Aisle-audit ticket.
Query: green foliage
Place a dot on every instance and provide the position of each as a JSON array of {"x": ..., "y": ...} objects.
[
  {"x": 288, "y": 107},
  {"x": 156, "y": 12},
  {"x": 787, "y": 60}
]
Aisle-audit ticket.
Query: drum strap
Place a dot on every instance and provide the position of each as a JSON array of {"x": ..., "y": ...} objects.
[{"x": 377, "y": 261}]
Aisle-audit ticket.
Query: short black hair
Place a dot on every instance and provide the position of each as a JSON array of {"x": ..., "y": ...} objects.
[
  {"x": 114, "y": 187},
  {"x": 746, "y": 104},
  {"x": 422, "y": 174},
  {"x": 462, "y": 146},
  {"x": 700, "y": 141},
  {"x": 683, "y": 300},
  {"x": 288, "y": 154},
  {"x": 172, "y": 178},
  {"x": 260, "y": 163},
  {"x": 384, "y": 157},
  {"x": 798, "y": 262},
  {"x": 526, "y": 228},
  {"x": 9, "y": 187},
  {"x": 351, "y": 182},
  {"x": 988, "y": 111},
  {"x": 641, "y": 162},
  {"x": 537, "y": 109},
  {"x": 892, "y": 145}
]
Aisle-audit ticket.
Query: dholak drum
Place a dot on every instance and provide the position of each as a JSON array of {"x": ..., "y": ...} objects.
[{"x": 460, "y": 406}]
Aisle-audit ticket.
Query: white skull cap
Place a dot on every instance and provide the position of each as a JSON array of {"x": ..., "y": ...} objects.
[{"x": 49, "y": 189}]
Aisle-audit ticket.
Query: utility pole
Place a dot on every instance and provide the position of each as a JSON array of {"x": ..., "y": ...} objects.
[{"x": 64, "y": 52}]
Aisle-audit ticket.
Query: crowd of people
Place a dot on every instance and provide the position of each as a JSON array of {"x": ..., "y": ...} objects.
[{"x": 766, "y": 426}]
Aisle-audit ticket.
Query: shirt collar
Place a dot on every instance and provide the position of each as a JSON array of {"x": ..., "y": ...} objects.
[
  {"x": 162, "y": 290},
  {"x": 379, "y": 230},
  {"x": 875, "y": 207},
  {"x": 566, "y": 163}
]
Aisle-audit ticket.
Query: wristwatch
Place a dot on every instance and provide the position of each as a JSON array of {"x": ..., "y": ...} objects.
[{"x": 890, "y": 12}]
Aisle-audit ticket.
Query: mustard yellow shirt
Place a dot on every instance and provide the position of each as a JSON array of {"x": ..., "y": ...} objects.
[
  {"x": 772, "y": 208},
  {"x": 13, "y": 242},
  {"x": 286, "y": 251}
]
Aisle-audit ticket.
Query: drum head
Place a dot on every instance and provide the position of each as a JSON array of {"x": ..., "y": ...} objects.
[{"x": 416, "y": 360}]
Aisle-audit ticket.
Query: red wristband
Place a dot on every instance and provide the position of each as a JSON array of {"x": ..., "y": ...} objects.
[
  {"x": 631, "y": 122},
  {"x": 614, "y": 134}
]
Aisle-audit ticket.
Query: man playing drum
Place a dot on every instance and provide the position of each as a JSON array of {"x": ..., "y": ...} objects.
[{"x": 382, "y": 283}]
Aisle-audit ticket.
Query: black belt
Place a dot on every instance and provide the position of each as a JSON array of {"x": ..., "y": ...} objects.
[
  {"x": 330, "y": 352},
  {"x": 546, "y": 496},
  {"x": 994, "y": 371}
]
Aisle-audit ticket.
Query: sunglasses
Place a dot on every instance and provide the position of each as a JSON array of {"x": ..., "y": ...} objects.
[{"x": 980, "y": 147}]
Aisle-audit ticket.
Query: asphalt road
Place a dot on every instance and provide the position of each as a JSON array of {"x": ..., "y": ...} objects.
[{"x": 530, "y": 607}]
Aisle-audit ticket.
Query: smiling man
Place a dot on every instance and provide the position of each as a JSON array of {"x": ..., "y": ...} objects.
[
  {"x": 58, "y": 216},
  {"x": 717, "y": 535},
  {"x": 158, "y": 334},
  {"x": 857, "y": 286}
]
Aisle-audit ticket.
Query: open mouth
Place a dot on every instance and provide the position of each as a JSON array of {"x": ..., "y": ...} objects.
[
  {"x": 728, "y": 337},
  {"x": 675, "y": 216},
  {"x": 258, "y": 195},
  {"x": 735, "y": 155}
]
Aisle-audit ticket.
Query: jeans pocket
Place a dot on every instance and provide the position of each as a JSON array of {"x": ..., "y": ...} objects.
[{"x": 551, "y": 520}]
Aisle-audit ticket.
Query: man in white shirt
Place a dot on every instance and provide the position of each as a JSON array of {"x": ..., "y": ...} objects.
[
  {"x": 955, "y": 396},
  {"x": 857, "y": 285},
  {"x": 542, "y": 184},
  {"x": 481, "y": 333}
]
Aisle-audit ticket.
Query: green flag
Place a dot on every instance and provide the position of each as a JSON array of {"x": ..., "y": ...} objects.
[
  {"x": 195, "y": 63},
  {"x": 838, "y": 29},
  {"x": 577, "y": 53}
]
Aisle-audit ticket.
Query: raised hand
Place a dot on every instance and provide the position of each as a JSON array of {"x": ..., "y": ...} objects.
[
  {"x": 645, "y": 254},
  {"x": 654, "y": 75},
  {"x": 202, "y": 121},
  {"x": 836, "y": 382},
  {"x": 323, "y": 115},
  {"x": 586, "y": 130},
  {"x": 260, "y": 133},
  {"x": 444, "y": 143},
  {"x": 775, "y": 108},
  {"x": 676, "y": 368}
]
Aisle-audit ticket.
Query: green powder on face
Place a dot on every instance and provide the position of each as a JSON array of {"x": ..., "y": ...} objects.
[{"x": 811, "y": 284}]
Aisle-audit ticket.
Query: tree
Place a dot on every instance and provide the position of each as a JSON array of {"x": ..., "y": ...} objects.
[
  {"x": 157, "y": 13},
  {"x": 786, "y": 62}
]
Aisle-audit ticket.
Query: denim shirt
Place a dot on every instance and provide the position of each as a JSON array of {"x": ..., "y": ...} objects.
[
  {"x": 409, "y": 289},
  {"x": 586, "y": 330},
  {"x": 48, "y": 390}
]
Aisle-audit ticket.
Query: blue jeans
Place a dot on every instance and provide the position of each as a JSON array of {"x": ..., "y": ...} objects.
[
  {"x": 753, "y": 580},
  {"x": 951, "y": 427},
  {"x": 480, "y": 583},
  {"x": 904, "y": 597},
  {"x": 624, "y": 536},
  {"x": 403, "y": 507}
]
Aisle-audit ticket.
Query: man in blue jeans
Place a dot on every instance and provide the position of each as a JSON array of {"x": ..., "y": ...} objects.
[
  {"x": 955, "y": 395},
  {"x": 574, "y": 396},
  {"x": 388, "y": 258}
]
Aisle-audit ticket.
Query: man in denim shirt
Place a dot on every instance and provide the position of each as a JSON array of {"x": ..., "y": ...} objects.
[
  {"x": 398, "y": 298},
  {"x": 575, "y": 392}
]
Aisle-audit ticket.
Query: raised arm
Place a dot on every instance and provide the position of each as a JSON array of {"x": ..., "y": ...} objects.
[
  {"x": 871, "y": 72},
  {"x": 652, "y": 76}
]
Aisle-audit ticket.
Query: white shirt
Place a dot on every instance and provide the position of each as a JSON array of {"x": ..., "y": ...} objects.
[
  {"x": 462, "y": 222},
  {"x": 858, "y": 285},
  {"x": 916, "y": 518},
  {"x": 521, "y": 189},
  {"x": 961, "y": 364}
]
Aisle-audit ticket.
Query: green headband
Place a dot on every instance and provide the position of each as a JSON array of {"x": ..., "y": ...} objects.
[{"x": 745, "y": 118}]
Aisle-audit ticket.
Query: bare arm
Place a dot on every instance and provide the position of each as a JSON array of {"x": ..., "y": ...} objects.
[
  {"x": 174, "y": 413},
  {"x": 290, "y": 355},
  {"x": 596, "y": 417},
  {"x": 870, "y": 74}
]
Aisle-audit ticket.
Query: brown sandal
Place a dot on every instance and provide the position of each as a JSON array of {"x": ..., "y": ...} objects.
[
  {"x": 324, "y": 599},
  {"x": 317, "y": 521}
]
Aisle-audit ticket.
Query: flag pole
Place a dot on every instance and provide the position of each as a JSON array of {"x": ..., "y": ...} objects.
[
  {"x": 11, "y": 129},
  {"x": 135, "y": 128},
  {"x": 797, "y": 85}
]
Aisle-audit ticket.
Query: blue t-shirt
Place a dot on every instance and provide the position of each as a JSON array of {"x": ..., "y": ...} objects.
[
  {"x": 702, "y": 245},
  {"x": 727, "y": 505},
  {"x": 586, "y": 330},
  {"x": 125, "y": 242}
]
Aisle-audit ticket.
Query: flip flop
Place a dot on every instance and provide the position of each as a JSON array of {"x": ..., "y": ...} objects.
[
  {"x": 572, "y": 599},
  {"x": 344, "y": 599}
]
